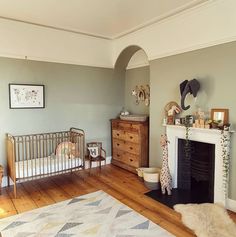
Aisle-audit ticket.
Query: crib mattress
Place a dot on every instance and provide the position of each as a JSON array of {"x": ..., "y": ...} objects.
[{"x": 43, "y": 166}]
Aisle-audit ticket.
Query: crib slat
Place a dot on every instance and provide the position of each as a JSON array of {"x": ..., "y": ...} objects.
[
  {"x": 18, "y": 155},
  {"x": 31, "y": 154},
  {"x": 26, "y": 156}
]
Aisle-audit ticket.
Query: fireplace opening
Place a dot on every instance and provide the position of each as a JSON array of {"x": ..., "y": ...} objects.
[
  {"x": 195, "y": 175},
  {"x": 195, "y": 171}
]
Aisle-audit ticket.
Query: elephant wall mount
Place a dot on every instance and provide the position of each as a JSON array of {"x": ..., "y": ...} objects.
[{"x": 188, "y": 87}]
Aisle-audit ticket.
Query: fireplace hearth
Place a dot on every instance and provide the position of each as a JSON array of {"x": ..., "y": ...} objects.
[{"x": 179, "y": 196}]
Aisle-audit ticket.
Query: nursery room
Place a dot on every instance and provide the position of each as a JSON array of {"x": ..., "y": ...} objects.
[{"x": 117, "y": 118}]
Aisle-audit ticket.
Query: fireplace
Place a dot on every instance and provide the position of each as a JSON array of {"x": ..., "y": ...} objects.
[
  {"x": 209, "y": 183},
  {"x": 207, "y": 136}
]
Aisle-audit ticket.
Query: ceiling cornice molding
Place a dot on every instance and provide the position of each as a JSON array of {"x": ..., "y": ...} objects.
[
  {"x": 170, "y": 15},
  {"x": 57, "y": 28},
  {"x": 193, "y": 48},
  {"x": 174, "y": 13}
]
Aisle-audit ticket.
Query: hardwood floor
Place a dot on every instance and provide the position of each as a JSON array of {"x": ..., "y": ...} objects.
[{"x": 117, "y": 182}]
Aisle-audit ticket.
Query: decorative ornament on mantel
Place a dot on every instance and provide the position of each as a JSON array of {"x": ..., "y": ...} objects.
[{"x": 171, "y": 109}]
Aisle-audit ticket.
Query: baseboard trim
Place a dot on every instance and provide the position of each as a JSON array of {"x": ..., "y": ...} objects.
[
  {"x": 95, "y": 164},
  {"x": 4, "y": 181},
  {"x": 231, "y": 204}
]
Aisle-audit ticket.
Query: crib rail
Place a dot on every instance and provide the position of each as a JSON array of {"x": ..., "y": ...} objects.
[{"x": 38, "y": 155}]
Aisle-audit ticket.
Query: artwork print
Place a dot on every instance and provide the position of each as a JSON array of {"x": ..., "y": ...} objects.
[{"x": 26, "y": 96}]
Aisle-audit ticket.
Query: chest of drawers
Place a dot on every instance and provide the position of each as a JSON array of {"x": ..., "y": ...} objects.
[{"x": 129, "y": 144}]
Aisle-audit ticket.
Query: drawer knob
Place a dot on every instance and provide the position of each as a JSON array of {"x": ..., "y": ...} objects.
[
  {"x": 131, "y": 160},
  {"x": 117, "y": 144},
  {"x": 131, "y": 137},
  {"x": 117, "y": 134},
  {"x": 131, "y": 148},
  {"x": 118, "y": 155}
]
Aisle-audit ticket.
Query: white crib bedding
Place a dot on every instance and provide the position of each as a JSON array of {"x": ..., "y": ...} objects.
[{"x": 43, "y": 166}]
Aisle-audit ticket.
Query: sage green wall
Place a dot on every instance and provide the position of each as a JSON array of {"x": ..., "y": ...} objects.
[
  {"x": 136, "y": 76},
  {"x": 76, "y": 96},
  {"x": 215, "y": 68}
]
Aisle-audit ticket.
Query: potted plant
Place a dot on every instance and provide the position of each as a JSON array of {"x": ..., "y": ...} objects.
[{"x": 214, "y": 123}]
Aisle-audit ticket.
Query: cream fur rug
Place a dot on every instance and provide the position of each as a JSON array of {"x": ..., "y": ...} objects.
[{"x": 207, "y": 220}]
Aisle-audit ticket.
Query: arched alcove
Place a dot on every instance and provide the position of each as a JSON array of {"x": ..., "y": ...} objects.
[{"x": 132, "y": 68}]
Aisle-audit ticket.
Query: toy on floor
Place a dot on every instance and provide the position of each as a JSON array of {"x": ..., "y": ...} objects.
[{"x": 165, "y": 177}]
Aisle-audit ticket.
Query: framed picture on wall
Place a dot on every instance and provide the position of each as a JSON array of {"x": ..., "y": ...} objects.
[{"x": 26, "y": 96}]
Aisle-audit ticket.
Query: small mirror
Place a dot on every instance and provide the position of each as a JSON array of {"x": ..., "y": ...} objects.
[{"x": 220, "y": 116}]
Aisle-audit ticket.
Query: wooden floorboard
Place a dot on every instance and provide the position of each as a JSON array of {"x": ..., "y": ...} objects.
[
  {"x": 38, "y": 195},
  {"x": 117, "y": 182},
  {"x": 7, "y": 207}
]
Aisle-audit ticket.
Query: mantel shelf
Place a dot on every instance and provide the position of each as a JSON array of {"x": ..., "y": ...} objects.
[{"x": 205, "y": 130}]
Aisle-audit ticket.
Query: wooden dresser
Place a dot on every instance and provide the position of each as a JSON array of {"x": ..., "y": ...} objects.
[{"x": 129, "y": 144}]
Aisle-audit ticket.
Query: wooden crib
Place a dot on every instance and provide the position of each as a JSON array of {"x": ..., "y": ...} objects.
[{"x": 39, "y": 155}]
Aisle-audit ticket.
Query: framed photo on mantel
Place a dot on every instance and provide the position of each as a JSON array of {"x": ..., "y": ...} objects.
[
  {"x": 221, "y": 116},
  {"x": 26, "y": 96}
]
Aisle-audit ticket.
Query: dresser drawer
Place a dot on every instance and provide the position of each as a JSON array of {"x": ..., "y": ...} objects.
[
  {"x": 126, "y": 146},
  {"x": 125, "y": 126},
  {"x": 126, "y": 157},
  {"x": 127, "y": 136}
]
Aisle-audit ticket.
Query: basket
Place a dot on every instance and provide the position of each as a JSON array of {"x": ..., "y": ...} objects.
[
  {"x": 150, "y": 177},
  {"x": 133, "y": 117}
]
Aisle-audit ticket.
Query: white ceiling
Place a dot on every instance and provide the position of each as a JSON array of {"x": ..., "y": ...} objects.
[{"x": 102, "y": 18}]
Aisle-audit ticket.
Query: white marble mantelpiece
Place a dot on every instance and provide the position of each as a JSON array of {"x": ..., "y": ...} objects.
[{"x": 211, "y": 136}]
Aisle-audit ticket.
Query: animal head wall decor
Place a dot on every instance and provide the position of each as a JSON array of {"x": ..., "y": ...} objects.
[{"x": 188, "y": 87}]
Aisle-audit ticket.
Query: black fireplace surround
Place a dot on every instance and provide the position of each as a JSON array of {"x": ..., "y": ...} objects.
[{"x": 195, "y": 175}]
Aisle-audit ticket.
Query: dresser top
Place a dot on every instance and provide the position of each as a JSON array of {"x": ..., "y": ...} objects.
[{"x": 129, "y": 121}]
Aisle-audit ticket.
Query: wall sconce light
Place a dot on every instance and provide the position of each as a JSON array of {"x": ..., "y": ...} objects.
[{"x": 142, "y": 94}]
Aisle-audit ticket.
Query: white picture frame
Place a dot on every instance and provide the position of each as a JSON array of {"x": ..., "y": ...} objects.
[{"x": 26, "y": 96}]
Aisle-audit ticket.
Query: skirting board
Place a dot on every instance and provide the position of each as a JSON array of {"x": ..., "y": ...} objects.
[
  {"x": 94, "y": 164},
  {"x": 231, "y": 205}
]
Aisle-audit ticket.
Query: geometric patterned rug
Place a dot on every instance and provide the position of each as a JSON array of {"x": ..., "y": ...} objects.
[{"x": 95, "y": 214}]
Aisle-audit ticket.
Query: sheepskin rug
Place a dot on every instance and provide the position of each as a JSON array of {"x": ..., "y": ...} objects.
[{"x": 207, "y": 220}]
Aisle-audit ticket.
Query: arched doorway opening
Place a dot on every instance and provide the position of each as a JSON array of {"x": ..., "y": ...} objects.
[{"x": 132, "y": 68}]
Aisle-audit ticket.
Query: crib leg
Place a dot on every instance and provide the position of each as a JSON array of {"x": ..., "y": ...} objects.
[
  {"x": 8, "y": 180},
  {"x": 15, "y": 189}
]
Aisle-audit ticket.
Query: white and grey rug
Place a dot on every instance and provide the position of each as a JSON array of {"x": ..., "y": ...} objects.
[{"x": 96, "y": 214}]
